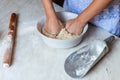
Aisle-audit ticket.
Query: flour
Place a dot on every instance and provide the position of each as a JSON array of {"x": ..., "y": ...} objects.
[{"x": 7, "y": 42}]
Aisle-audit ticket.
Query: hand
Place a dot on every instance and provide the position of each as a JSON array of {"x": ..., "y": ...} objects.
[
  {"x": 53, "y": 27},
  {"x": 74, "y": 26}
]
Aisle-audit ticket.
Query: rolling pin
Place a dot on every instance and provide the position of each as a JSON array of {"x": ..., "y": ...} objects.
[{"x": 9, "y": 41}]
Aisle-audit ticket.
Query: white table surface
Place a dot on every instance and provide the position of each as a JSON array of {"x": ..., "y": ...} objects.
[{"x": 34, "y": 60}]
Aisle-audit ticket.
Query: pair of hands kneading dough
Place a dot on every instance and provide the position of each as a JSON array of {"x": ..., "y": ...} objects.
[{"x": 63, "y": 34}]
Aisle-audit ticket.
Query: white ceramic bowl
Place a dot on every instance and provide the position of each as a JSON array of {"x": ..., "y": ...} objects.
[{"x": 57, "y": 43}]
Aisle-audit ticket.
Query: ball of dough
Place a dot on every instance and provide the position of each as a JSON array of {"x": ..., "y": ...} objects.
[{"x": 65, "y": 35}]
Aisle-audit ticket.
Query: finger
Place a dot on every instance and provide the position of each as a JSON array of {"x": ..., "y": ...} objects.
[
  {"x": 44, "y": 31},
  {"x": 67, "y": 25},
  {"x": 69, "y": 30},
  {"x": 61, "y": 24},
  {"x": 78, "y": 32}
]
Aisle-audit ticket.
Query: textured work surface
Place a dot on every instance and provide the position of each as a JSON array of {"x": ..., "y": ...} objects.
[{"x": 33, "y": 60}]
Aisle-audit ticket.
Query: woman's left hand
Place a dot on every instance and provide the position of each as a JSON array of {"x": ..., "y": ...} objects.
[{"x": 74, "y": 26}]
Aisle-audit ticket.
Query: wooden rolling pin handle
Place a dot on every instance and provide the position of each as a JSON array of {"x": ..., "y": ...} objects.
[
  {"x": 7, "y": 57},
  {"x": 13, "y": 23}
]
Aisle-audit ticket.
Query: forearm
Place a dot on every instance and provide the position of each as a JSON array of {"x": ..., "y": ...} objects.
[
  {"x": 49, "y": 9},
  {"x": 93, "y": 9}
]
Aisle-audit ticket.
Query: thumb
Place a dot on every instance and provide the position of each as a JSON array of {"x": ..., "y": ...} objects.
[{"x": 67, "y": 25}]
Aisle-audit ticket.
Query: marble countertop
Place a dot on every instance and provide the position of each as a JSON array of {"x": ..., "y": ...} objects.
[{"x": 34, "y": 60}]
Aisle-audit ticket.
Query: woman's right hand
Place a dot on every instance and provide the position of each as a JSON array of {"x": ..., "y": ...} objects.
[{"x": 53, "y": 26}]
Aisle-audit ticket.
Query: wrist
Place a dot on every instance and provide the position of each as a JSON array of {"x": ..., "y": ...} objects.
[
  {"x": 51, "y": 19},
  {"x": 51, "y": 15},
  {"x": 49, "y": 9},
  {"x": 81, "y": 20}
]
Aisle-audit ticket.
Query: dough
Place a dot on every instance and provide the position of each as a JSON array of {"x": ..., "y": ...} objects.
[{"x": 63, "y": 35}]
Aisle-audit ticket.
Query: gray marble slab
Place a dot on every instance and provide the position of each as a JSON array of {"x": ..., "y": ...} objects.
[{"x": 34, "y": 60}]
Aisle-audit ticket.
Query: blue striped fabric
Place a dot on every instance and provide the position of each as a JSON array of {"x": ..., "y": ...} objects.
[{"x": 108, "y": 19}]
